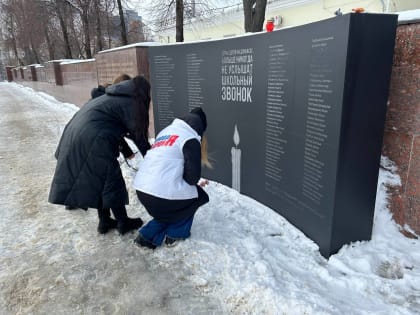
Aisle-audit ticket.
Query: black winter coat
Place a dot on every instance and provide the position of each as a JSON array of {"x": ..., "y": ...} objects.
[
  {"x": 124, "y": 147},
  {"x": 98, "y": 91},
  {"x": 87, "y": 172}
]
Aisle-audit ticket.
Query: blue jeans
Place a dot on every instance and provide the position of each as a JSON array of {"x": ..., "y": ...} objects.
[{"x": 155, "y": 231}]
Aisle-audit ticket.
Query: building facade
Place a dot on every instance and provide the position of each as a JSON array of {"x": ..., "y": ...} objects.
[{"x": 230, "y": 21}]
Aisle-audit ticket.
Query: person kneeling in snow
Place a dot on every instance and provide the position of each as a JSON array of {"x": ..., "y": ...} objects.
[{"x": 167, "y": 180}]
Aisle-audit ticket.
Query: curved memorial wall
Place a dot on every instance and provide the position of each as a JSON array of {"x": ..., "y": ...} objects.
[{"x": 295, "y": 116}]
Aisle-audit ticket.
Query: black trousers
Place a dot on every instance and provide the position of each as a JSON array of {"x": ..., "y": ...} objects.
[
  {"x": 171, "y": 211},
  {"x": 120, "y": 213}
]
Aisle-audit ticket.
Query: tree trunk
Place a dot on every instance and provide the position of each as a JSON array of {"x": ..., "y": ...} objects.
[
  {"x": 179, "y": 11},
  {"x": 67, "y": 48},
  {"x": 108, "y": 28},
  {"x": 124, "y": 40},
  {"x": 49, "y": 44},
  {"x": 15, "y": 51},
  {"x": 254, "y": 15},
  {"x": 99, "y": 44},
  {"x": 27, "y": 55},
  {"x": 85, "y": 24},
  {"x": 73, "y": 30},
  {"x": 14, "y": 45},
  {"x": 109, "y": 8},
  {"x": 34, "y": 52},
  {"x": 259, "y": 16},
  {"x": 83, "y": 6}
]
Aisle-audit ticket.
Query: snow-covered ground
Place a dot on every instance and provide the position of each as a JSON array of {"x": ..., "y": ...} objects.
[{"x": 242, "y": 257}]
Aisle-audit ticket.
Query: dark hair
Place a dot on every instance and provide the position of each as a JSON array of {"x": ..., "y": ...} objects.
[
  {"x": 141, "y": 114},
  {"x": 199, "y": 111}
]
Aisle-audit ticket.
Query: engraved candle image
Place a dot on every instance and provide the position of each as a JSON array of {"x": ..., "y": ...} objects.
[{"x": 236, "y": 162}]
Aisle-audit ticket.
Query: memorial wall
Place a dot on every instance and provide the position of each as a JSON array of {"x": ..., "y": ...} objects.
[{"x": 295, "y": 117}]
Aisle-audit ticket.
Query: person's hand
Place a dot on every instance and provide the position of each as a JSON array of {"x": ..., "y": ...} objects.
[{"x": 203, "y": 182}]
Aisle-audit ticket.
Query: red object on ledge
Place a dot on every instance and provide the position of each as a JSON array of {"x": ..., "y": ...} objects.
[
  {"x": 358, "y": 10},
  {"x": 269, "y": 26}
]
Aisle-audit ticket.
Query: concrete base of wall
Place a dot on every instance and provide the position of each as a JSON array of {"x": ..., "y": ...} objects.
[{"x": 75, "y": 94}]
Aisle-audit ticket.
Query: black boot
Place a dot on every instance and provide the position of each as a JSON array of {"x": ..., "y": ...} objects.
[
  {"x": 129, "y": 224},
  {"x": 125, "y": 224},
  {"x": 106, "y": 223},
  {"x": 141, "y": 241},
  {"x": 75, "y": 208}
]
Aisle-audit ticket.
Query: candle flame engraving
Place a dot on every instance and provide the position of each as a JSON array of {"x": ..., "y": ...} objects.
[
  {"x": 236, "y": 161},
  {"x": 236, "y": 139}
]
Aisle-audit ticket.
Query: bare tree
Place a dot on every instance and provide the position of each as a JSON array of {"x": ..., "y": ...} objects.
[
  {"x": 50, "y": 46},
  {"x": 37, "y": 30},
  {"x": 10, "y": 36},
  {"x": 93, "y": 16},
  {"x": 97, "y": 12},
  {"x": 254, "y": 15},
  {"x": 58, "y": 17},
  {"x": 179, "y": 10},
  {"x": 168, "y": 14},
  {"x": 24, "y": 29},
  {"x": 84, "y": 15},
  {"x": 124, "y": 40},
  {"x": 45, "y": 16},
  {"x": 108, "y": 25},
  {"x": 35, "y": 16},
  {"x": 83, "y": 7},
  {"x": 76, "y": 33},
  {"x": 33, "y": 29},
  {"x": 62, "y": 10}
]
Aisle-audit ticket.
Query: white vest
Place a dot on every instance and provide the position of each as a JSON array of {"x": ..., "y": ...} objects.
[{"x": 160, "y": 172}]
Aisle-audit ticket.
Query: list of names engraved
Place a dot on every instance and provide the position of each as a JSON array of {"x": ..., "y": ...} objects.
[
  {"x": 277, "y": 88},
  {"x": 194, "y": 80},
  {"x": 164, "y": 68},
  {"x": 318, "y": 109}
]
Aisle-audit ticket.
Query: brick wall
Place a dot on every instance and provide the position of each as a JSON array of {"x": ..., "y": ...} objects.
[
  {"x": 131, "y": 61},
  {"x": 402, "y": 128}
]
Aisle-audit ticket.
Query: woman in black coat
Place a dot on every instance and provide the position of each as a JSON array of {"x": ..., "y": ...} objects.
[
  {"x": 88, "y": 174},
  {"x": 124, "y": 148}
]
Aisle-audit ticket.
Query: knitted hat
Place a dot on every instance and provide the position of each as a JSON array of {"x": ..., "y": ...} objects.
[{"x": 199, "y": 111}]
